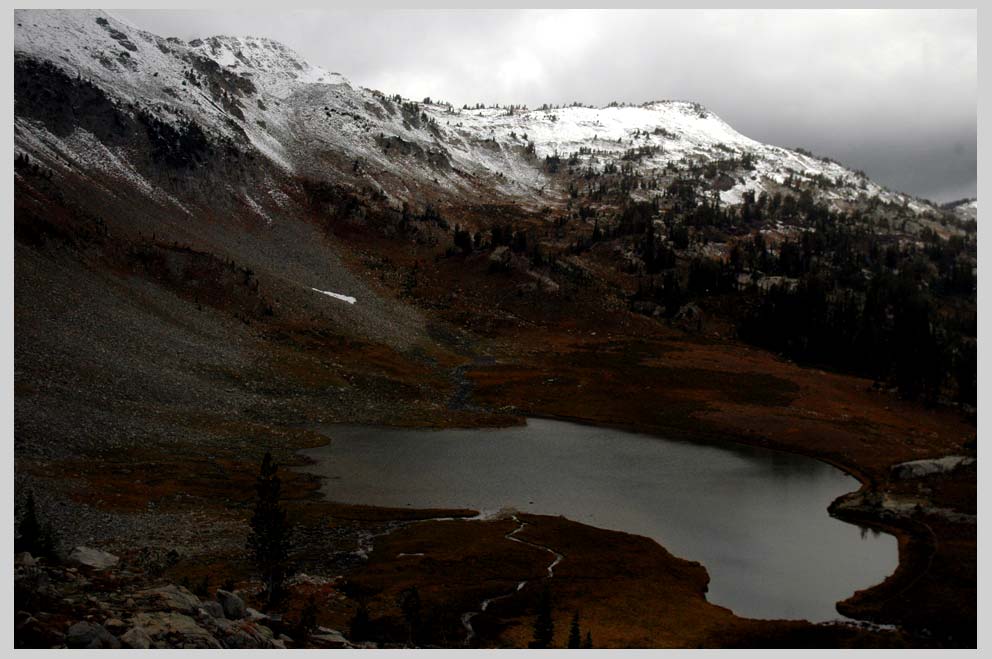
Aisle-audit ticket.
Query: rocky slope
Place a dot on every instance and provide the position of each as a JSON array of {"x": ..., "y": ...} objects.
[{"x": 96, "y": 601}]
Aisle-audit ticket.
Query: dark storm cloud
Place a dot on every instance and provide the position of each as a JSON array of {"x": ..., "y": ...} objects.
[{"x": 891, "y": 92}]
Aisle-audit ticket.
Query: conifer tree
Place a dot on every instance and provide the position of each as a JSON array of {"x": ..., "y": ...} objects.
[
  {"x": 35, "y": 537},
  {"x": 544, "y": 625},
  {"x": 360, "y": 626},
  {"x": 268, "y": 540},
  {"x": 574, "y": 635},
  {"x": 409, "y": 602},
  {"x": 308, "y": 620}
]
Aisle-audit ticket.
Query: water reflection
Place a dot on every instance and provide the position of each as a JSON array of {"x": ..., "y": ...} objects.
[{"x": 867, "y": 530}]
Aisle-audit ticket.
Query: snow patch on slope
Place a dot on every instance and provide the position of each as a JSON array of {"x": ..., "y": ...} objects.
[{"x": 338, "y": 296}]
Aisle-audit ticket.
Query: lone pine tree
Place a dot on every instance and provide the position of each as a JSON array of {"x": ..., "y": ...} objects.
[
  {"x": 308, "y": 620},
  {"x": 268, "y": 540},
  {"x": 574, "y": 634},
  {"x": 360, "y": 627},
  {"x": 34, "y": 537},
  {"x": 409, "y": 602}
]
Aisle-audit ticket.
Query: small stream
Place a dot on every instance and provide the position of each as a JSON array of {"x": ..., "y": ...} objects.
[{"x": 512, "y": 535}]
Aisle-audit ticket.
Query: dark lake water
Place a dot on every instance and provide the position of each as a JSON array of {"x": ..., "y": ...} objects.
[{"x": 757, "y": 519}]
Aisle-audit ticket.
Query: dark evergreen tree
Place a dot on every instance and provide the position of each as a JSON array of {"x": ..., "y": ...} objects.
[
  {"x": 360, "y": 627},
  {"x": 409, "y": 602},
  {"x": 574, "y": 634},
  {"x": 544, "y": 625},
  {"x": 268, "y": 540},
  {"x": 308, "y": 620},
  {"x": 672, "y": 297},
  {"x": 519, "y": 244},
  {"x": 463, "y": 239},
  {"x": 202, "y": 587},
  {"x": 587, "y": 643},
  {"x": 34, "y": 536}
]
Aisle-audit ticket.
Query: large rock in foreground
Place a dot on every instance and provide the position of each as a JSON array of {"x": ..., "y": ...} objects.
[
  {"x": 233, "y": 605},
  {"x": 92, "y": 558},
  {"x": 170, "y": 598},
  {"x": 89, "y": 636},
  {"x": 174, "y": 630}
]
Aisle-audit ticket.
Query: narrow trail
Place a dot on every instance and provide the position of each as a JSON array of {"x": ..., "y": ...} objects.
[{"x": 468, "y": 616}]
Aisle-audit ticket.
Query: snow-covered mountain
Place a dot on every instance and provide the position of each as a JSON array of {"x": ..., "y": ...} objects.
[
  {"x": 966, "y": 209},
  {"x": 260, "y": 97}
]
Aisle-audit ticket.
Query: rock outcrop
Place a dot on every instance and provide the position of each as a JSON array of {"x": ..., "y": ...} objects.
[{"x": 86, "y": 606}]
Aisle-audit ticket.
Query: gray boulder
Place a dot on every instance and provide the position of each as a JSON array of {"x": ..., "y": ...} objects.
[
  {"x": 213, "y": 608},
  {"x": 234, "y": 606},
  {"x": 241, "y": 640},
  {"x": 328, "y": 638},
  {"x": 242, "y": 633},
  {"x": 86, "y": 635},
  {"x": 170, "y": 598},
  {"x": 256, "y": 616},
  {"x": 137, "y": 639},
  {"x": 24, "y": 559},
  {"x": 114, "y": 625},
  {"x": 92, "y": 558},
  {"x": 176, "y": 629}
]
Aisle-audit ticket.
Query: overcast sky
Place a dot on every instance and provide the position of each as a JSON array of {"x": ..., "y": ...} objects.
[{"x": 891, "y": 92}]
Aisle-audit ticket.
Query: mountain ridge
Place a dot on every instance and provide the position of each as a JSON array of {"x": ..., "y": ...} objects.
[{"x": 309, "y": 121}]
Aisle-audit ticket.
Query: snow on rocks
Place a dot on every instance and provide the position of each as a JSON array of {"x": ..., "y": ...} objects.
[
  {"x": 966, "y": 210},
  {"x": 920, "y": 468},
  {"x": 295, "y": 115}
]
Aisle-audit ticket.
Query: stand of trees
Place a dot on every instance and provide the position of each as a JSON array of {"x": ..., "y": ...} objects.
[{"x": 853, "y": 296}]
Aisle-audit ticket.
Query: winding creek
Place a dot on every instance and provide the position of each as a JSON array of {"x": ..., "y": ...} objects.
[
  {"x": 512, "y": 535},
  {"x": 756, "y": 518}
]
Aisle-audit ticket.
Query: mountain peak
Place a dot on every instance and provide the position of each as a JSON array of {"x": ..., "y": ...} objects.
[{"x": 263, "y": 55}]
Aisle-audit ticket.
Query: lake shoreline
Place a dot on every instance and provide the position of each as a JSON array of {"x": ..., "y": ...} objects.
[
  {"x": 573, "y": 451},
  {"x": 915, "y": 543}
]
